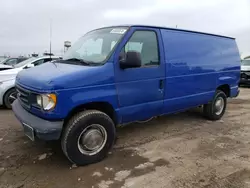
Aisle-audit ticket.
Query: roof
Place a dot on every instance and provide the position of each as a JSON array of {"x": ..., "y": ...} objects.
[
  {"x": 169, "y": 28},
  {"x": 46, "y": 56}
]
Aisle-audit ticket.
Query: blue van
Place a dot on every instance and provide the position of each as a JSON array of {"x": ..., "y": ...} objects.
[{"x": 121, "y": 74}]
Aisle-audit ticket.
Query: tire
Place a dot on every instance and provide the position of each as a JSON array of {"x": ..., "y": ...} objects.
[
  {"x": 210, "y": 111},
  {"x": 6, "y": 100},
  {"x": 81, "y": 124}
]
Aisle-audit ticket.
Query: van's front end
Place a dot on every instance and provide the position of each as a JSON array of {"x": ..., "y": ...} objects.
[
  {"x": 35, "y": 109},
  {"x": 57, "y": 100}
]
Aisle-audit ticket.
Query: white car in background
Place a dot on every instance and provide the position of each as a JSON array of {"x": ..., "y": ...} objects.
[
  {"x": 7, "y": 78},
  {"x": 10, "y": 62},
  {"x": 245, "y": 71},
  {"x": 5, "y": 67}
]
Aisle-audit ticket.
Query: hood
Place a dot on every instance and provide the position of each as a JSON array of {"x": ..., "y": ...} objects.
[
  {"x": 55, "y": 76},
  {"x": 7, "y": 77},
  {"x": 10, "y": 72},
  {"x": 5, "y": 67},
  {"x": 245, "y": 68}
]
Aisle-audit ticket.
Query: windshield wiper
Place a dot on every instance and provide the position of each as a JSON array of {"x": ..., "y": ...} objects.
[{"x": 79, "y": 60}]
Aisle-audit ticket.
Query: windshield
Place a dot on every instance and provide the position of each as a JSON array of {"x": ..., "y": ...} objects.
[
  {"x": 3, "y": 61},
  {"x": 95, "y": 46},
  {"x": 23, "y": 63},
  {"x": 245, "y": 62}
]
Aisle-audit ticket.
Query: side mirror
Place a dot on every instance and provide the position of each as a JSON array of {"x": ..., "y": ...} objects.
[
  {"x": 29, "y": 66},
  {"x": 130, "y": 59}
]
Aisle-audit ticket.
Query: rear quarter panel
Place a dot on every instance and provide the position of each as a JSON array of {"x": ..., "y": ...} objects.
[{"x": 196, "y": 64}]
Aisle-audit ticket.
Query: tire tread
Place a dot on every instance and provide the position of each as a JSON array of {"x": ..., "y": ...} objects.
[
  {"x": 73, "y": 122},
  {"x": 208, "y": 108}
]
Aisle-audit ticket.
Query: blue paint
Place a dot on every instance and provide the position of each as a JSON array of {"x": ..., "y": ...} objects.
[
  {"x": 197, "y": 64},
  {"x": 192, "y": 66}
]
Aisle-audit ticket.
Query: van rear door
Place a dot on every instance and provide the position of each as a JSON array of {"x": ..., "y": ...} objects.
[{"x": 141, "y": 90}]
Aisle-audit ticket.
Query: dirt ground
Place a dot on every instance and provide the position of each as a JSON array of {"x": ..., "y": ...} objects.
[{"x": 181, "y": 150}]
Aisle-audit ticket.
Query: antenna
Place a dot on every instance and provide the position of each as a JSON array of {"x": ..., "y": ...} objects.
[{"x": 50, "y": 37}]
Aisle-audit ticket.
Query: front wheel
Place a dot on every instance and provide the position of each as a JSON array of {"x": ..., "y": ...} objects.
[
  {"x": 217, "y": 107},
  {"x": 88, "y": 137},
  {"x": 9, "y": 97}
]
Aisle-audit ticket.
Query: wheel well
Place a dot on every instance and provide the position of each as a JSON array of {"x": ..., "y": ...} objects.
[
  {"x": 226, "y": 89},
  {"x": 101, "y": 106},
  {"x": 7, "y": 92}
]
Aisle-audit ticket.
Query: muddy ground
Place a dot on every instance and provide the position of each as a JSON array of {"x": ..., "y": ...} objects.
[{"x": 181, "y": 150}]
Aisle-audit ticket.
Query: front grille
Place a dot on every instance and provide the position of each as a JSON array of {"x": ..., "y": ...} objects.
[{"x": 23, "y": 96}]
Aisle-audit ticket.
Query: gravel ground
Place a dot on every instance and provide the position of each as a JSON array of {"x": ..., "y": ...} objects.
[{"x": 181, "y": 150}]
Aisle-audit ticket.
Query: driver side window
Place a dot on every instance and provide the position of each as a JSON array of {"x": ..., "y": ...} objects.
[{"x": 144, "y": 42}]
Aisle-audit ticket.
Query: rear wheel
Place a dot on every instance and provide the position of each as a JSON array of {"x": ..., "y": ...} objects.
[
  {"x": 216, "y": 108},
  {"x": 9, "y": 97},
  {"x": 88, "y": 137}
]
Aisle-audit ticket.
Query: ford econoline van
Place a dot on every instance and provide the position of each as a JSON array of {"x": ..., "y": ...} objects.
[{"x": 116, "y": 75}]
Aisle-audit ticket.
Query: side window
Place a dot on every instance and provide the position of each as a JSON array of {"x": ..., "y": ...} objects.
[
  {"x": 133, "y": 46},
  {"x": 144, "y": 42},
  {"x": 11, "y": 62},
  {"x": 47, "y": 60},
  {"x": 38, "y": 62},
  {"x": 54, "y": 59},
  {"x": 20, "y": 60}
]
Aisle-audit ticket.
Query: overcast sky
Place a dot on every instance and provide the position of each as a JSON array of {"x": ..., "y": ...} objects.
[{"x": 25, "y": 23}]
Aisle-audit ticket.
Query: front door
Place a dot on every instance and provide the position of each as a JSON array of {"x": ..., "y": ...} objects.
[{"x": 140, "y": 90}]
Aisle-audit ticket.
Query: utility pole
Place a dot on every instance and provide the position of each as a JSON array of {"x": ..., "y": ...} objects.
[{"x": 50, "y": 37}]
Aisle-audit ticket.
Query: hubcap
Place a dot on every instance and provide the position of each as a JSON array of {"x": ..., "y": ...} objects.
[
  {"x": 219, "y": 105},
  {"x": 92, "y": 139},
  {"x": 12, "y": 97}
]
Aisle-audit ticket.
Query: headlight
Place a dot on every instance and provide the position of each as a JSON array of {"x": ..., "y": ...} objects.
[{"x": 46, "y": 101}]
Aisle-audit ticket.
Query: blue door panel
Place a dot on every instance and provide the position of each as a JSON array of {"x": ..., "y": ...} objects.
[
  {"x": 138, "y": 89},
  {"x": 141, "y": 111},
  {"x": 188, "y": 91},
  {"x": 189, "y": 85},
  {"x": 139, "y": 92},
  {"x": 184, "y": 103},
  {"x": 196, "y": 65}
]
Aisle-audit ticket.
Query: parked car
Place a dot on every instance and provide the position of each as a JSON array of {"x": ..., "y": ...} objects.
[
  {"x": 10, "y": 62},
  {"x": 13, "y": 61},
  {"x": 5, "y": 67},
  {"x": 7, "y": 78},
  {"x": 245, "y": 72},
  {"x": 116, "y": 75}
]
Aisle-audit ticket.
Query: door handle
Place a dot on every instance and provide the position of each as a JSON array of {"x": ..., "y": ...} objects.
[{"x": 161, "y": 84}]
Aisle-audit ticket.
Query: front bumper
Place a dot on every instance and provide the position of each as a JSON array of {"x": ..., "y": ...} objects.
[
  {"x": 245, "y": 77},
  {"x": 245, "y": 81},
  {"x": 35, "y": 127}
]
